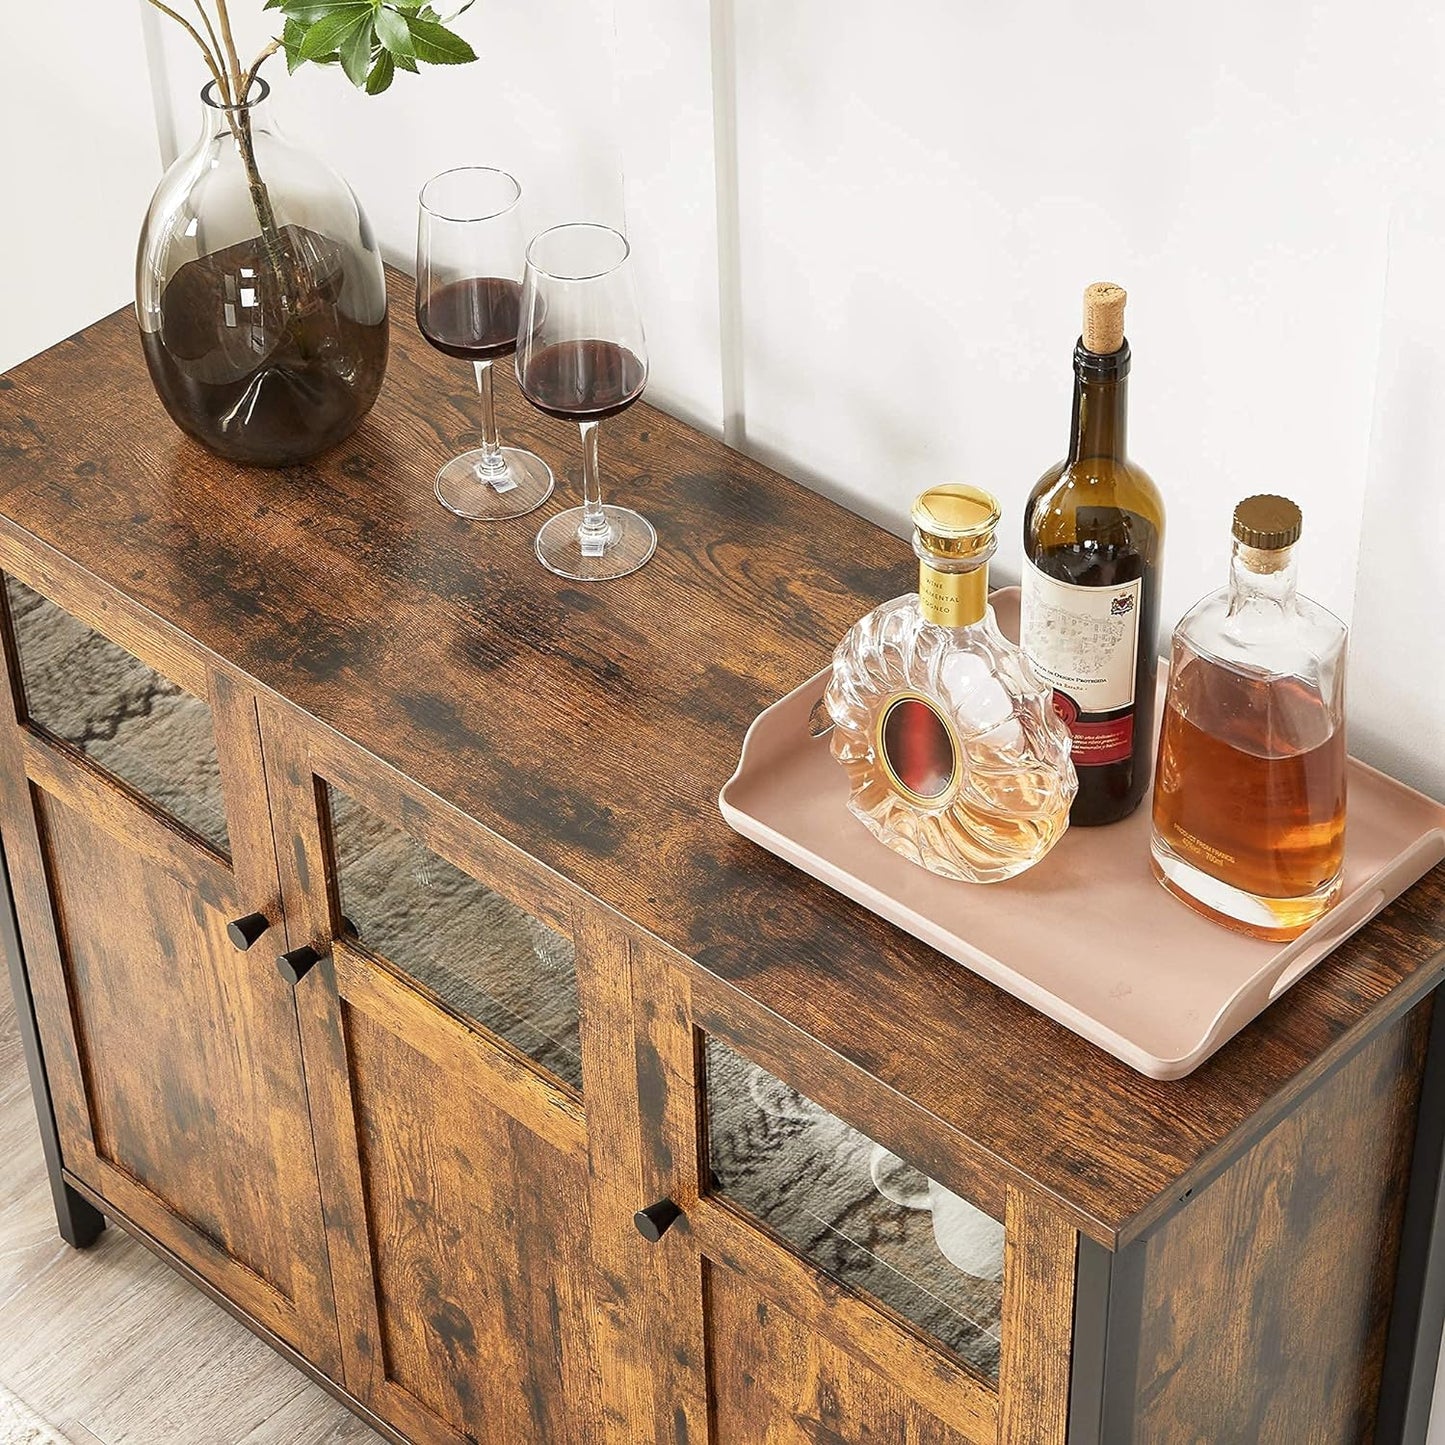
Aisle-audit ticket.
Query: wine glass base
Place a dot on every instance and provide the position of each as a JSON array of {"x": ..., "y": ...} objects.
[
  {"x": 631, "y": 543},
  {"x": 462, "y": 490}
]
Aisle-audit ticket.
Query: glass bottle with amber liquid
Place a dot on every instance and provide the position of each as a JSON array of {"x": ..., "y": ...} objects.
[
  {"x": 1093, "y": 542},
  {"x": 955, "y": 757},
  {"x": 1249, "y": 797}
]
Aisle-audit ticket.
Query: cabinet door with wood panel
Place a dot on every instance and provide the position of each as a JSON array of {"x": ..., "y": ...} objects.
[
  {"x": 440, "y": 1026},
  {"x": 136, "y": 833},
  {"x": 823, "y": 1289}
]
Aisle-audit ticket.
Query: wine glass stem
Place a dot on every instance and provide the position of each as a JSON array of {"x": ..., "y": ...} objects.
[
  {"x": 595, "y": 532},
  {"x": 492, "y": 466}
]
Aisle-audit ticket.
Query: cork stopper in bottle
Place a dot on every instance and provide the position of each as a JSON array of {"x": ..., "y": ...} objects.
[{"x": 1104, "y": 317}]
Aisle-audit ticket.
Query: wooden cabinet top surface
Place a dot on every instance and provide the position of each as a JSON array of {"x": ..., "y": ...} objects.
[{"x": 593, "y": 726}]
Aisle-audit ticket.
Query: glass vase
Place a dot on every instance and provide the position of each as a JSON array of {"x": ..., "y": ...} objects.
[{"x": 260, "y": 293}]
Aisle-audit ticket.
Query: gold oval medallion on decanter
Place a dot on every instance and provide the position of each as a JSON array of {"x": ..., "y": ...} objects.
[{"x": 954, "y": 754}]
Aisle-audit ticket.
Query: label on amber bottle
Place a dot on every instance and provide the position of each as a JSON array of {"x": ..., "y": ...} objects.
[{"x": 1084, "y": 641}]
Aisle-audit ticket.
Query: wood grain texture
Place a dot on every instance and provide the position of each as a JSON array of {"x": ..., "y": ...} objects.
[
  {"x": 776, "y": 1382},
  {"x": 535, "y": 1102},
  {"x": 1266, "y": 1301},
  {"x": 478, "y": 1238},
  {"x": 342, "y": 587},
  {"x": 162, "y": 646},
  {"x": 130, "y": 819},
  {"x": 111, "y": 1345},
  {"x": 162, "y": 1025},
  {"x": 852, "y": 1324},
  {"x": 173, "y": 1060},
  {"x": 1040, "y": 1256},
  {"x": 670, "y": 1092},
  {"x": 308, "y": 907},
  {"x": 647, "y": 1305},
  {"x": 454, "y": 1176}
]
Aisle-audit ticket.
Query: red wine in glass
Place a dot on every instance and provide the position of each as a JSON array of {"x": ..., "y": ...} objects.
[
  {"x": 470, "y": 257},
  {"x": 582, "y": 357},
  {"x": 583, "y": 380},
  {"x": 474, "y": 319}
]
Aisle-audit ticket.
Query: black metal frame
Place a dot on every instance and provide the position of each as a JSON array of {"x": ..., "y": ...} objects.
[
  {"x": 1108, "y": 1300},
  {"x": 80, "y": 1222},
  {"x": 1417, "y": 1314},
  {"x": 1109, "y": 1295}
]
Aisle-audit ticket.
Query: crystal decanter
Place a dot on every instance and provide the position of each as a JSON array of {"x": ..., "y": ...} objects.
[{"x": 954, "y": 754}]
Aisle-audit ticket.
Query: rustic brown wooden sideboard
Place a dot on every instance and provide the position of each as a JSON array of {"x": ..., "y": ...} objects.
[{"x": 386, "y": 967}]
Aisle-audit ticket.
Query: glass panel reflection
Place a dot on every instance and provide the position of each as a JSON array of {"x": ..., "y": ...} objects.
[
  {"x": 854, "y": 1210},
  {"x": 479, "y": 953},
  {"x": 139, "y": 726}
]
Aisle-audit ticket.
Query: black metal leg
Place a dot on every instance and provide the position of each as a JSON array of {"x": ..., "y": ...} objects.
[
  {"x": 1412, "y": 1349},
  {"x": 79, "y": 1221},
  {"x": 1107, "y": 1305}
]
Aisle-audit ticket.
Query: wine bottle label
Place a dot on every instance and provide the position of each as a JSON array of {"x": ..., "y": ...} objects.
[{"x": 1084, "y": 641}]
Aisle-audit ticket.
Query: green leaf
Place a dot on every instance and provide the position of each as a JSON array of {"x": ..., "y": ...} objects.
[
  {"x": 392, "y": 31},
  {"x": 291, "y": 38},
  {"x": 406, "y": 62},
  {"x": 332, "y": 32},
  {"x": 273, "y": 4},
  {"x": 436, "y": 45},
  {"x": 356, "y": 52},
  {"x": 381, "y": 74}
]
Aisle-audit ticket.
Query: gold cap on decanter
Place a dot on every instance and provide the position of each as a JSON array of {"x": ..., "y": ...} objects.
[
  {"x": 954, "y": 538},
  {"x": 1267, "y": 522},
  {"x": 955, "y": 520}
]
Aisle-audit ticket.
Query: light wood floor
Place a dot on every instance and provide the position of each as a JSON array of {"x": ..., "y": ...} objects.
[{"x": 108, "y": 1345}]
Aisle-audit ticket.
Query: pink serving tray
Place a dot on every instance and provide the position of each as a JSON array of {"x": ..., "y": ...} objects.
[{"x": 1169, "y": 988}]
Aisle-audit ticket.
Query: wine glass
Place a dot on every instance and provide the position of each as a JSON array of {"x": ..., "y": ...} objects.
[
  {"x": 469, "y": 258},
  {"x": 581, "y": 357}
]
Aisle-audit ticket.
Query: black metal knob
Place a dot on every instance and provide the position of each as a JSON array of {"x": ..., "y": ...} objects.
[
  {"x": 243, "y": 932},
  {"x": 654, "y": 1221},
  {"x": 297, "y": 964}
]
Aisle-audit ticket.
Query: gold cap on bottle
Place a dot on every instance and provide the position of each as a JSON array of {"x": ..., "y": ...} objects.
[
  {"x": 955, "y": 520},
  {"x": 1268, "y": 522}
]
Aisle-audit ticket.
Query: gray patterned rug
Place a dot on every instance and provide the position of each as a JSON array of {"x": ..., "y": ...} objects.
[{"x": 20, "y": 1425}]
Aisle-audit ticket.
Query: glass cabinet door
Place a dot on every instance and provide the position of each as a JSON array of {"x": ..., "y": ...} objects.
[
  {"x": 143, "y": 871},
  {"x": 853, "y": 1209},
  {"x": 831, "y": 1290},
  {"x": 482, "y": 956},
  {"x": 439, "y": 1020}
]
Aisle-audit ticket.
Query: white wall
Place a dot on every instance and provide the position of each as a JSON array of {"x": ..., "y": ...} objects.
[
  {"x": 862, "y": 232},
  {"x": 78, "y": 161},
  {"x": 1398, "y": 659},
  {"x": 923, "y": 202}
]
